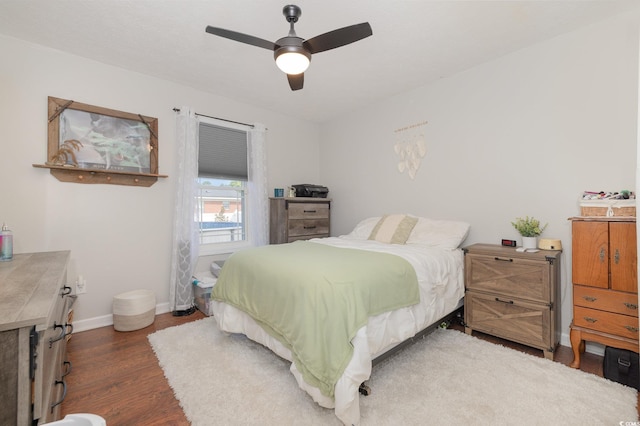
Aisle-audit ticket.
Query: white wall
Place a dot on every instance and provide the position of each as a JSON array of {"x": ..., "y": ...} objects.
[
  {"x": 119, "y": 236},
  {"x": 570, "y": 101},
  {"x": 522, "y": 135}
]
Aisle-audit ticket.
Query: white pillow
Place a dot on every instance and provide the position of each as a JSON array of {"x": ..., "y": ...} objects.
[
  {"x": 393, "y": 229},
  {"x": 363, "y": 228},
  {"x": 428, "y": 232},
  {"x": 439, "y": 233}
]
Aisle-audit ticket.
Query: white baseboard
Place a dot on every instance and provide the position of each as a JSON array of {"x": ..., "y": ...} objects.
[
  {"x": 591, "y": 347},
  {"x": 107, "y": 320}
]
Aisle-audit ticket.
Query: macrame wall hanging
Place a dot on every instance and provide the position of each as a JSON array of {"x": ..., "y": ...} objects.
[{"x": 410, "y": 147}]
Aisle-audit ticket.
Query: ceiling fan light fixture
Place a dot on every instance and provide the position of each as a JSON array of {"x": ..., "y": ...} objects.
[
  {"x": 292, "y": 53},
  {"x": 292, "y": 61}
]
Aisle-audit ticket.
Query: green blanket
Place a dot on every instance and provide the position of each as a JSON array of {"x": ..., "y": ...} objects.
[{"x": 313, "y": 298}]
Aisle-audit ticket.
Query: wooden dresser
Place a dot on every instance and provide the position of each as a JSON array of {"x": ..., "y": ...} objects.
[
  {"x": 34, "y": 327},
  {"x": 300, "y": 218},
  {"x": 513, "y": 295},
  {"x": 605, "y": 283}
]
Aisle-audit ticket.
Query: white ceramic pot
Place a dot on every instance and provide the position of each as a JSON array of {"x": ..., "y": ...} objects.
[{"x": 530, "y": 242}]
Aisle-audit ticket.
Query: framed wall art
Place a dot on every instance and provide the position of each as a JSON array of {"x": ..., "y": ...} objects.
[{"x": 91, "y": 144}]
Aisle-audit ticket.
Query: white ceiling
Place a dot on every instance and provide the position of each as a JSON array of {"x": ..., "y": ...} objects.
[{"x": 414, "y": 42}]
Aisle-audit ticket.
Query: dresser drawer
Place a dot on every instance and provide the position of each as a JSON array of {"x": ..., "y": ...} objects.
[
  {"x": 509, "y": 276},
  {"x": 606, "y": 322},
  {"x": 605, "y": 300},
  {"x": 513, "y": 319},
  {"x": 303, "y": 227},
  {"x": 51, "y": 355},
  {"x": 308, "y": 210}
]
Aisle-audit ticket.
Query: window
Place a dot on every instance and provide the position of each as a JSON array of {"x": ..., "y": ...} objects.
[
  {"x": 220, "y": 212},
  {"x": 221, "y": 198}
]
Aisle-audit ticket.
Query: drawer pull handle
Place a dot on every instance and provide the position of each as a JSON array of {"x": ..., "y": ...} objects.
[
  {"x": 502, "y": 259},
  {"x": 602, "y": 255},
  {"x": 632, "y": 329},
  {"x": 616, "y": 256},
  {"x": 510, "y": 302},
  {"x": 310, "y": 227},
  {"x": 52, "y": 340},
  {"x": 591, "y": 320},
  {"x": 631, "y": 305},
  {"x": 64, "y": 394},
  {"x": 310, "y": 211},
  {"x": 590, "y": 298},
  {"x": 67, "y": 369},
  {"x": 67, "y": 329}
]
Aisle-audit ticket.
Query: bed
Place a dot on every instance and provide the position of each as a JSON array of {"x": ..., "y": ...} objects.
[{"x": 318, "y": 303}]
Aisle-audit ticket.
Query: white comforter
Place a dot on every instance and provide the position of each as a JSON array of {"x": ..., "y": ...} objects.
[{"x": 441, "y": 281}]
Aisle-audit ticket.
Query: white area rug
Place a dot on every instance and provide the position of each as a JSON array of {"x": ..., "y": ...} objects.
[{"x": 447, "y": 378}]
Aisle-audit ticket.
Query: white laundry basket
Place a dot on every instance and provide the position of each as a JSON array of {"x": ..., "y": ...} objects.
[
  {"x": 134, "y": 310},
  {"x": 80, "y": 419}
]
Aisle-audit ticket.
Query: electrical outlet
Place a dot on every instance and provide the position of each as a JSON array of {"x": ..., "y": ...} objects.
[{"x": 81, "y": 285}]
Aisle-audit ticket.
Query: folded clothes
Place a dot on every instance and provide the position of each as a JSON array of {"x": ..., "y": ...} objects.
[{"x": 601, "y": 195}]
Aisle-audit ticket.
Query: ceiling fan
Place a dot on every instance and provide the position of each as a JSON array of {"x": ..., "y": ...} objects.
[{"x": 292, "y": 53}]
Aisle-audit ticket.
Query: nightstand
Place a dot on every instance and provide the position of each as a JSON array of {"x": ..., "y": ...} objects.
[{"x": 513, "y": 295}]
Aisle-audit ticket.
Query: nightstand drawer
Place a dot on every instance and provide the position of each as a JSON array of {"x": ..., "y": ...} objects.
[
  {"x": 606, "y": 300},
  {"x": 300, "y": 227},
  {"x": 607, "y": 322},
  {"x": 513, "y": 319},
  {"x": 308, "y": 210},
  {"x": 508, "y": 276}
]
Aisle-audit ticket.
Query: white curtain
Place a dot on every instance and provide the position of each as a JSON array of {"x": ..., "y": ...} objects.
[
  {"x": 184, "y": 251},
  {"x": 258, "y": 198},
  {"x": 185, "y": 248}
]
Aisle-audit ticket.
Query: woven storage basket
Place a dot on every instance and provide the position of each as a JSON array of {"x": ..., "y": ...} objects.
[
  {"x": 601, "y": 208},
  {"x": 134, "y": 310}
]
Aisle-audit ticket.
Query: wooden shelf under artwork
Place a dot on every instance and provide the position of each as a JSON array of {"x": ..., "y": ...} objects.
[{"x": 113, "y": 177}]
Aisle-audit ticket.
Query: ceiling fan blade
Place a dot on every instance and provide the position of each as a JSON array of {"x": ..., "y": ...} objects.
[
  {"x": 296, "y": 81},
  {"x": 242, "y": 38},
  {"x": 337, "y": 38}
]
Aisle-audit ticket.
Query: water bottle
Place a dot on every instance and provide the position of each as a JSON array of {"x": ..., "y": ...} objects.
[{"x": 6, "y": 243}]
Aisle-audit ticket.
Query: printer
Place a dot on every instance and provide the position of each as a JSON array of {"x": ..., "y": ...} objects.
[{"x": 310, "y": 190}]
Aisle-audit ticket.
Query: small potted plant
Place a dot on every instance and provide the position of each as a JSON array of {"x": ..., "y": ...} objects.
[{"x": 529, "y": 228}]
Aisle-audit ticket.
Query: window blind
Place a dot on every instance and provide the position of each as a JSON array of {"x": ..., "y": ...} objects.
[{"x": 222, "y": 152}]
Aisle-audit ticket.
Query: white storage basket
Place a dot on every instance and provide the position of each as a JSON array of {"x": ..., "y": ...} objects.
[{"x": 134, "y": 310}]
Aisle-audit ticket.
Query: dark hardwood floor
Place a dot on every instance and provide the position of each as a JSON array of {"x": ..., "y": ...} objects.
[{"x": 116, "y": 374}]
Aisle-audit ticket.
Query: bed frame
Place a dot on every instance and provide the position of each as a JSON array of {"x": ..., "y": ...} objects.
[{"x": 443, "y": 322}]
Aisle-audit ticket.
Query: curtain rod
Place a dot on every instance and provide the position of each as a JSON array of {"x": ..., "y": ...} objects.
[{"x": 218, "y": 118}]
